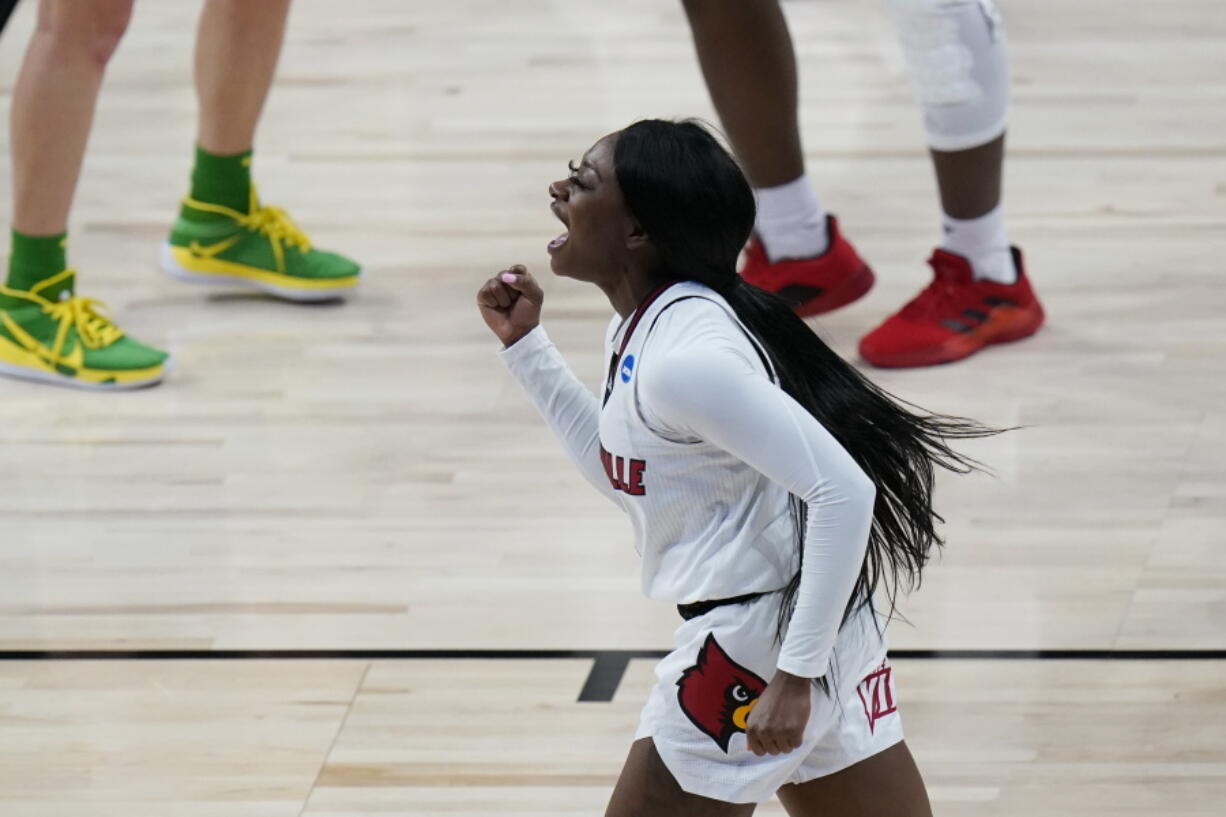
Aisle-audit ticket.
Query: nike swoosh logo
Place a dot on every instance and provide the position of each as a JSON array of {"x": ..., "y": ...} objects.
[
  {"x": 208, "y": 251},
  {"x": 74, "y": 359}
]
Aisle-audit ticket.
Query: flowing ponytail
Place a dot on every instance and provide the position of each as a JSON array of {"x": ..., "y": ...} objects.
[
  {"x": 695, "y": 205},
  {"x": 896, "y": 445}
]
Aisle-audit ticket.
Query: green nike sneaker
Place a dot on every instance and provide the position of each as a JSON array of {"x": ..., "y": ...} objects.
[
  {"x": 261, "y": 248},
  {"x": 49, "y": 334}
]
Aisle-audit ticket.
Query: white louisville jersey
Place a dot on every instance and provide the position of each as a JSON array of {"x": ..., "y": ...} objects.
[
  {"x": 698, "y": 444},
  {"x": 707, "y": 525}
]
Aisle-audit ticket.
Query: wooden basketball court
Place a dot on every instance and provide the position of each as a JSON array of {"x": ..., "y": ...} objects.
[{"x": 336, "y": 566}]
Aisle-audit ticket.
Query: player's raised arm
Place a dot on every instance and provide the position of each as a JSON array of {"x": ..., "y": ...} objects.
[{"x": 510, "y": 303}]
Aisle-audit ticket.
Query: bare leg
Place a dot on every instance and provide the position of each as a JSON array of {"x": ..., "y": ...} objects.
[
  {"x": 747, "y": 60},
  {"x": 238, "y": 43},
  {"x": 53, "y": 106},
  {"x": 970, "y": 180},
  {"x": 646, "y": 788},
  {"x": 887, "y": 783}
]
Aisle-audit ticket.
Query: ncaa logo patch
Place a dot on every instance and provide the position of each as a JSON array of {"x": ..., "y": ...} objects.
[{"x": 627, "y": 368}]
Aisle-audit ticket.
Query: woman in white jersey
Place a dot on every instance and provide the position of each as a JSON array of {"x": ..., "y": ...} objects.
[{"x": 771, "y": 487}]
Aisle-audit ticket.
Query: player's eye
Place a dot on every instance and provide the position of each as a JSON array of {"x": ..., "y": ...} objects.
[
  {"x": 740, "y": 694},
  {"x": 574, "y": 174}
]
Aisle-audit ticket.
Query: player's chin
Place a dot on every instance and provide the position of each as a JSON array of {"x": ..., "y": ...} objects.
[
  {"x": 559, "y": 266},
  {"x": 571, "y": 262}
]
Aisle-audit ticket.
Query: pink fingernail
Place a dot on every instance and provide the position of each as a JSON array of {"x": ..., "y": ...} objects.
[{"x": 508, "y": 277}]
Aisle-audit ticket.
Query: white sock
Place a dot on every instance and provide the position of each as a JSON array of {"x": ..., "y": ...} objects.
[
  {"x": 983, "y": 242},
  {"x": 790, "y": 223}
]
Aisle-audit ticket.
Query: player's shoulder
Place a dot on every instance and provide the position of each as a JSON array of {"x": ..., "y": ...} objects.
[
  {"x": 692, "y": 316},
  {"x": 700, "y": 346}
]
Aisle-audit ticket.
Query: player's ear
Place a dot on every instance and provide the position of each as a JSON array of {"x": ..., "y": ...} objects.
[{"x": 636, "y": 237}]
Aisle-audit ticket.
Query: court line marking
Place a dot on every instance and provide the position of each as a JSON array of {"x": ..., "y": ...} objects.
[
  {"x": 604, "y": 678},
  {"x": 608, "y": 666}
]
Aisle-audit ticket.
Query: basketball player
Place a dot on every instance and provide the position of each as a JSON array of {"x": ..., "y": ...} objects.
[
  {"x": 955, "y": 50},
  {"x": 772, "y": 490},
  {"x": 223, "y": 232}
]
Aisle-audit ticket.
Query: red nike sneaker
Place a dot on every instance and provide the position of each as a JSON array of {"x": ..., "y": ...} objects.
[
  {"x": 811, "y": 285},
  {"x": 954, "y": 317}
]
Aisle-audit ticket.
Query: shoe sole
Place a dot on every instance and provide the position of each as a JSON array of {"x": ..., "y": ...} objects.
[
  {"x": 174, "y": 269},
  {"x": 55, "y": 379},
  {"x": 851, "y": 288},
  {"x": 963, "y": 346}
]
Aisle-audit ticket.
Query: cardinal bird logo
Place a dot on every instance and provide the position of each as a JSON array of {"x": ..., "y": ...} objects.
[{"x": 717, "y": 694}]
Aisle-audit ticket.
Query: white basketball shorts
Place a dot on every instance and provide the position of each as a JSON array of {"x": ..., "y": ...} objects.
[{"x": 723, "y": 660}]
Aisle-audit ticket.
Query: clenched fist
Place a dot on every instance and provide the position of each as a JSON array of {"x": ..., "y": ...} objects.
[
  {"x": 777, "y": 722},
  {"x": 510, "y": 303}
]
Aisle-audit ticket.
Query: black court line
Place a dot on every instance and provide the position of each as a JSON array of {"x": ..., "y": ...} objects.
[
  {"x": 608, "y": 666},
  {"x": 6, "y": 11},
  {"x": 604, "y": 679}
]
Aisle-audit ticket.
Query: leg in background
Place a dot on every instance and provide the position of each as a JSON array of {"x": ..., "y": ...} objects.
[
  {"x": 53, "y": 106},
  {"x": 223, "y": 234},
  {"x": 238, "y": 43},
  {"x": 46, "y": 332},
  {"x": 749, "y": 64},
  {"x": 747, "y": 60},
  {"x": 980, "y": 296}
]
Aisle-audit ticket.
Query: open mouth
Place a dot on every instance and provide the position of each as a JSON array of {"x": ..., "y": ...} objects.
[{"x": 560, "y": 241}]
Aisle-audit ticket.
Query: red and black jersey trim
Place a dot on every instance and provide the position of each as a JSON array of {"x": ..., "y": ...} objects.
[{"x": 639, "y": 312}]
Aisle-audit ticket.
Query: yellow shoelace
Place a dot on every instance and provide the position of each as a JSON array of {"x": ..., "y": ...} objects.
[
  {"x": 94, "y": 329},
  {"x": 271, "y": 222}
]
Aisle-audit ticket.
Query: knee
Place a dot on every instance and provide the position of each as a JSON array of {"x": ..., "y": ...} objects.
[
  {"x": 95, "y": 27},
  {"x": 955, "y": 52},
  {"x": 105, "y": 38},
  {"x": 108, "y": 27}
]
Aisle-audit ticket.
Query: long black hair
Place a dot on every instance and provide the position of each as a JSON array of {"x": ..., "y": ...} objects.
[{"x": 692, "y": 200}]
